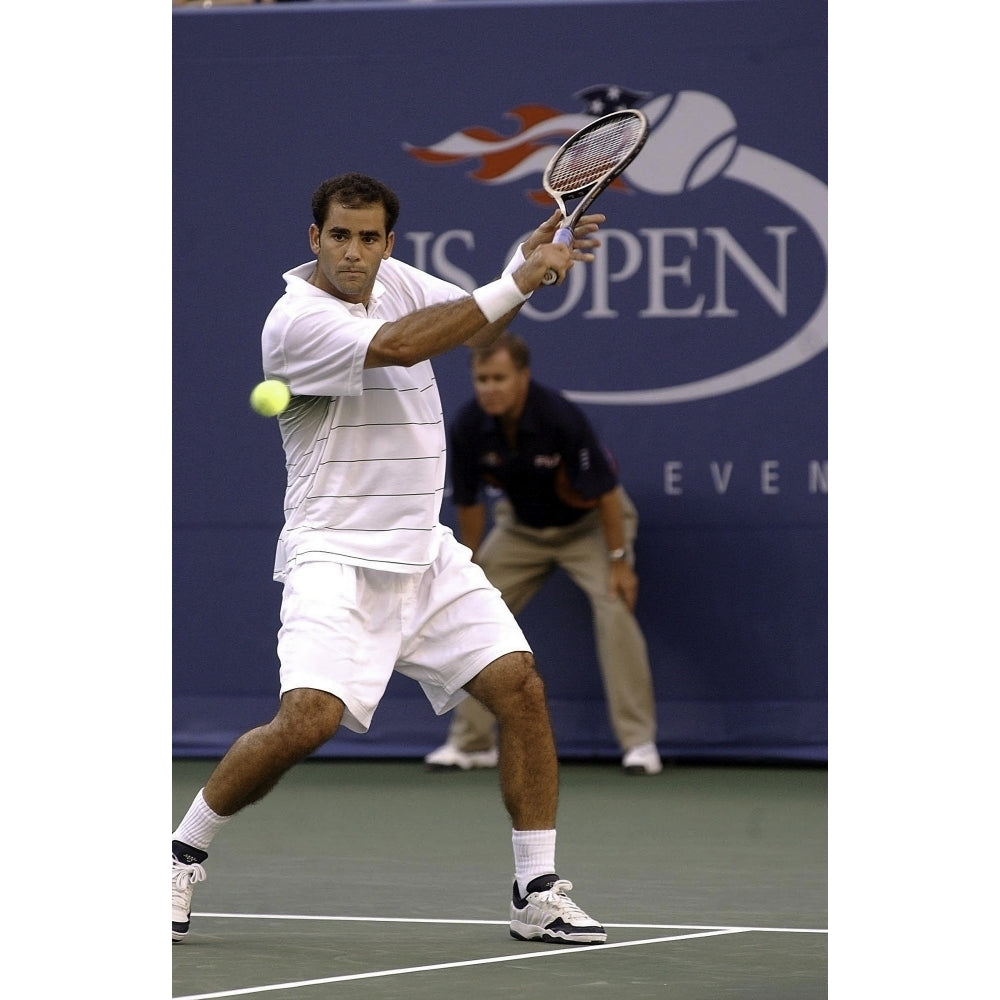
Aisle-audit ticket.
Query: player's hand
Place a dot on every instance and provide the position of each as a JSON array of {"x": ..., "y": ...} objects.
[
  {"x": 549, "y": 256},
  {"x": 583, "y": 234}
]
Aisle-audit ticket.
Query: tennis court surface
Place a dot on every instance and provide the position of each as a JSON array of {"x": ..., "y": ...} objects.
[{"x": 378, "y": 879}]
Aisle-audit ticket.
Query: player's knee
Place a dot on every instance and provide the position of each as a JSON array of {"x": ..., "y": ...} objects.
[
  {"x": 531, "y": 692},
  {"x": 307, "y": 718},
  {"x": 511, "y": 686},
  {"x": 520, "y": 670}
]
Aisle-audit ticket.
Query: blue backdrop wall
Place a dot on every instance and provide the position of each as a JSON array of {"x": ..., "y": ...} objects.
[{"x": 696, "y": 344}]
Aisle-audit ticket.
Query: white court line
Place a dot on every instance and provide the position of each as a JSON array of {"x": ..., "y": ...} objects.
[
  {"x": 503, "y": 923},
  {"x": 702, "y": 931}
]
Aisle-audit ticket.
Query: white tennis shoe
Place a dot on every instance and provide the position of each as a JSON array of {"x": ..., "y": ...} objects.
[
  {"x": 546, "y": 913},
  {"x": 187, "y": 872}
]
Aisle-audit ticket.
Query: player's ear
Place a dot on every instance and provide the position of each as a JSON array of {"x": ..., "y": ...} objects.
[
  {"x": 389, "y": 242},
  {"x": 314, "y": 238}
]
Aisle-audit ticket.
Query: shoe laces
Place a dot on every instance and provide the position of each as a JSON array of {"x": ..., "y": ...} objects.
[
  {"x": 556, "y": 893},
  {"x": 185, "y": 876}
]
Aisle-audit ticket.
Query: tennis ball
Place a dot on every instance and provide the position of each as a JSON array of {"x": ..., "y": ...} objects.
[{"x": 269, "y": 398}]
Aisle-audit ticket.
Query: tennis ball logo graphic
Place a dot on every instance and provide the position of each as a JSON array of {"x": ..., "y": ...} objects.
[{"x": 692, "y": 139}]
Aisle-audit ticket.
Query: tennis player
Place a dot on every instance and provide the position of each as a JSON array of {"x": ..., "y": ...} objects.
[{"x": 373, "y": 582}]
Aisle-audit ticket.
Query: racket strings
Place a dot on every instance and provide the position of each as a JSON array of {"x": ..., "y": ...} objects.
[{"x": 596, "y": 152}]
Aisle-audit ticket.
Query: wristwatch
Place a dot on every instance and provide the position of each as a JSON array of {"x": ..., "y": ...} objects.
[{"x": 616, "y": 555}]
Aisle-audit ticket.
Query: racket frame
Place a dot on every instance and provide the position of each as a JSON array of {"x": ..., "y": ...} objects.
[{"x": 589, "y": 191}]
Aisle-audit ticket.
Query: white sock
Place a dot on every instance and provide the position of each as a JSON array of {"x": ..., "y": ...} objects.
[
  {"x": 534, "y": 855},
  {"x": 200, "y": 824}
]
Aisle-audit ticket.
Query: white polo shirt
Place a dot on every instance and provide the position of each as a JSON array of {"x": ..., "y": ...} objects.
[{"x": 364, "y": 449}]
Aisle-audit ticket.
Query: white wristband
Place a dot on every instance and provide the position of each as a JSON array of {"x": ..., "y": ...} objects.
[
  {"x": 514, "y": 263},
  {"x": 498, "y": 297},
  {"x": 516, "y": 260}
]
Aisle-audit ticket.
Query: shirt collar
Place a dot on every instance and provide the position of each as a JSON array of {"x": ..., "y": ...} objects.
[{"x": 297, "y": 283}]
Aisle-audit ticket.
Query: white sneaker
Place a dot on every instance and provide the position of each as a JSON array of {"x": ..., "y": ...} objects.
[
  {"x": 546, "y": 913},
  {"x": 449, "y": 758},
  {"x": 643, "y": 759},
  {"x": 187, "y": 872}
]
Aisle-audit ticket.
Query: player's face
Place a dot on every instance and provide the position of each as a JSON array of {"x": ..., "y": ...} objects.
[
  {"x": 349, "y": 249},
  {"x": 501, "y": 388}
]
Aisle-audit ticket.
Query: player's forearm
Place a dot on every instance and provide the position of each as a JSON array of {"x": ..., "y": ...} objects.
[
  {"x": 526, "y": 275},
  {"x": 425, "y": 333},
  {"x": 487, "y": 334},
  {"x": 475, "y": 320}
]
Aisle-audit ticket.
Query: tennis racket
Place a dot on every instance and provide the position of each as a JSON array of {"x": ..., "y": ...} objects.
[{"x": 587, "y": 162}]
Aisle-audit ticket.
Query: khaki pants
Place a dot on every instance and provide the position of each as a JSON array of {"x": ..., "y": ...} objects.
[{"x": 518, "y": 560}]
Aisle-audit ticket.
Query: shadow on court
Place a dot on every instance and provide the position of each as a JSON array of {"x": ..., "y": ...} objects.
[{"x": 378, "y": 879}]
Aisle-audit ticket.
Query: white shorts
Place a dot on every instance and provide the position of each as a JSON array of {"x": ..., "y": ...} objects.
[{"x": 345, "y": 629}]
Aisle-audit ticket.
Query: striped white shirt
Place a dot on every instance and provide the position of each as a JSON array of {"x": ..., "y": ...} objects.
[{"x": 364, "y": 449}]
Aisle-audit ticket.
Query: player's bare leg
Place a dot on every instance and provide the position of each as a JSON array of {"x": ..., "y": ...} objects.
[
  {"x": 253, "y": 765},
  {"x": 540, "y": 908},
  {"x": 513, "y": 691}
]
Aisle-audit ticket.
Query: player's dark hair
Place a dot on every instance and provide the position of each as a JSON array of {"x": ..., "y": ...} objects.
[
  {"x": 509, "y": 342},
  {"x": 355, "y": 190}
]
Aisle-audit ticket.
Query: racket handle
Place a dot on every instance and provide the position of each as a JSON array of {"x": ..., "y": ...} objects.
[{"x": 564, "y": 236}]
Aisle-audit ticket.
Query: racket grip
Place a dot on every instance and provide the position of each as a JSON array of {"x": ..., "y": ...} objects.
[{"x": 564, "y": 236}]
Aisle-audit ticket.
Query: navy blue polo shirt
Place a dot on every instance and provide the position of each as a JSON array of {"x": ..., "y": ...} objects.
[{"x": 552, "y": 476}]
